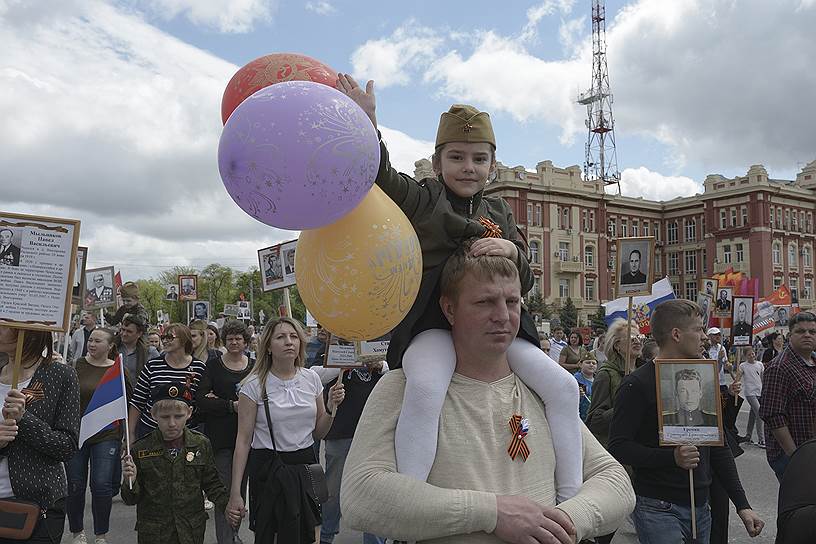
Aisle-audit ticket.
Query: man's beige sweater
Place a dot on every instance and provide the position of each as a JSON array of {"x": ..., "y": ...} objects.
[{"x": 472, "y": 466}]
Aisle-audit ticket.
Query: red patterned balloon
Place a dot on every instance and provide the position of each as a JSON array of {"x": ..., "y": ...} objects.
[{"x": 268, "y": 70}]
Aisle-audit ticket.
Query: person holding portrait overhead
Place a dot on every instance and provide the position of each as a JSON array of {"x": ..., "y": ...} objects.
[
  {"x": 99, "y": 293},
  {"x": 9, "y": 253},
  {"x": 723, "y": 303},
  {"x": 688, "y": 392},
  {"x": 742, "y": 327},
  {"x": 634, "y": 276}
]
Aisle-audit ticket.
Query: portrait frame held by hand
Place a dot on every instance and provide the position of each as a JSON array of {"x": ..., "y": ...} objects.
[
  {"x": 742, "y": 321},
  {"x": 635, "y": 265},
  {"x": 689, "y": 411}
]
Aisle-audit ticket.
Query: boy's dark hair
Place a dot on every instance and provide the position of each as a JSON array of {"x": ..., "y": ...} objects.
[
  {"x": 233, "y": 327},
  {"x": 460, "y": 264},
  {"x": 676, "y": 313}
]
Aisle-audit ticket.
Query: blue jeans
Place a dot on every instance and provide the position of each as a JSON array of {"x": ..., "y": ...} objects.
[
  {"x": 336, "y": 453},
  {"x": 779, "y": 465},
  {"x": 661, "y": 522},
  {"x": 103, "y": 458}
]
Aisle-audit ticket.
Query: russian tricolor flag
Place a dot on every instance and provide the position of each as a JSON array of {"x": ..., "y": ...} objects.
[
  {"x": 642, "y": 306},
  {"x": 108, "y": 404}
]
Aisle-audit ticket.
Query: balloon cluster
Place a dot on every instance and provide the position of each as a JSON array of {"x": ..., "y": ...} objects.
[{"x": 298, "y": 154}]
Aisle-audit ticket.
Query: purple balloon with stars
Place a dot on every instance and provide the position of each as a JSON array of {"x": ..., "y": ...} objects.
[{"x": 298, "y": 155}]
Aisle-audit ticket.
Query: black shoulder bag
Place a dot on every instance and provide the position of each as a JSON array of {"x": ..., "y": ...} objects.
[{"x": 317, "y": 475}]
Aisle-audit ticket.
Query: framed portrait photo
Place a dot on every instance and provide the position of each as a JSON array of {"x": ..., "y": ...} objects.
[
  {"x": 723, "y": 301},
  {"x": 201, "y": 310},
  {"x": 635, "y": 265},
  {"x": 782, "y": 315},
  {"x": 79, "y": 276},
  {"x": 688, "y": 402},
  {"x": 100, "y": 291},
  {"x": 742, "y": 321},
  {"x": 188, "y": 287},
  {"x": 38, "y": 266},
  {"x": 277, "y": 266},
  {"x": 706, "y": 304},
  {"x": 171, "y": 292},
  {"x": 708, "y": 286}
]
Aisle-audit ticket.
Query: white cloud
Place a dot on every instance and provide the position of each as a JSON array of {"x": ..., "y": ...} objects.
[
  {"x": 387, "y": 61},
  {"x": 110, "y": 121},
  {"x": 321, "y": 7},
  {"x": 642, "y": 182},
  {"x": 571, "y": 34},
  {"x": 404, "y": 150},
  {"x": 536, "y": 13},
  {"x": 223, "y": 15}
]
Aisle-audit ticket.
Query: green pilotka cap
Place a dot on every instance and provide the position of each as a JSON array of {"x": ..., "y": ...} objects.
[{"x": 463, "y": 123}]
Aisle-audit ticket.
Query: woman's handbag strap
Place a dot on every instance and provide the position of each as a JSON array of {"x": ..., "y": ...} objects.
[{"x": 269, "y": 422}]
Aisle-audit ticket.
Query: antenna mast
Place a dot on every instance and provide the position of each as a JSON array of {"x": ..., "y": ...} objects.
[{"x": 601, "y": 162}]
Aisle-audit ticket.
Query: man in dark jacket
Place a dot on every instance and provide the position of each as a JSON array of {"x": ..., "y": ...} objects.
[{"x": 660, "y": 475}]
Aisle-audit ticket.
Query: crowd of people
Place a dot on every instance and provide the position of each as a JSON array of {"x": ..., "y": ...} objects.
[{"x": 471, "y": 430}]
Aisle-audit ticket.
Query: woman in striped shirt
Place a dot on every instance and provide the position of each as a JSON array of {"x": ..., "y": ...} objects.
[{"x": 176, "y": 364}]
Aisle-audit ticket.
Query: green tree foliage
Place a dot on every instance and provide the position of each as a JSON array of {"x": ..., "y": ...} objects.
[
  {"x": 597, "y": 321},
  {"x": 568, "y": 315}
]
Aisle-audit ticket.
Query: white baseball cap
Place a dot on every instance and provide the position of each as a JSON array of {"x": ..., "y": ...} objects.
[{"x": 713, "y": 330}]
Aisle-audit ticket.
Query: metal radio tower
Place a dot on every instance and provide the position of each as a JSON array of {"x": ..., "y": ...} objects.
[{"x": 601, "y": 158}]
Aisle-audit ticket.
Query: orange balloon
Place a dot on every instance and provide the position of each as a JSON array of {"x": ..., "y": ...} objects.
[{"x": 360, "y": 275}]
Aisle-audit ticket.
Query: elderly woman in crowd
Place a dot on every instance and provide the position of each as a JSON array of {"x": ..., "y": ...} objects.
[{"x": 39, "y": 429}]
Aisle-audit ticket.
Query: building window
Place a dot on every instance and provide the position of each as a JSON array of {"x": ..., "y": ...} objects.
[
  {"x": 702, "y": 227},
  {"x": 584, "y": 220},
  {"x": 794, "y": 291},
  {"x": 792, "y": 263},
  {"x": 733, "y": 217},
  {"x": 691, "y": 229},
  {"x": 563, "y": 251},
  {"x": 794, "y": 221},
  {"x": 802, "y": 221},
  {"x": 535, "y": 256},
  {"x": 538, "y": 221},
  {"x": 589, "y": 289},
  {"x": 808, "y": 291},
  {"x": 566, "y": 215},
  {"x": 787, "y": 219},
  {"x": 624, "y": 228},
  {"x": 591, "y": 221},
  {"x": 645, "y": 228},
  {"x": 779, "y": 218},
  {"x": 674, "y": 263},
  {"x": 676, "y": 289},
  {"x": 657, "y": 231},
  {"x": 672, "y": 232},
  {"x": 777, "y": 283},
  {"x": 776, "y": 253},
  {"x": 726, "y": 253},
  {"x": 723, "y": 219},
  {"x": 771, "y": 218},
  {"x": 589, "y": 256},
  {"x": 530, "y": 214},
  {"x": 807, "y": 257},
  {"x": 744, "y": 216},
  {"x": 635, "y": 228},
  {"x": 611, "y": 228},
  {"x": 563, "y": 288},
  {"x": 740, "y": 254},
  {"x": 691, "y": 290},
  {"x": 704, "y": 264},
  {"x": 810, "y": 223},
  {"x": 691, "y": 262}
]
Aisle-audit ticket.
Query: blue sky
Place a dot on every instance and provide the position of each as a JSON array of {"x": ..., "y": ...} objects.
[{"x": 111, "y": 108}]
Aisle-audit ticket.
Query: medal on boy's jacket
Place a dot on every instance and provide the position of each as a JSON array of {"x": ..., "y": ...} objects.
[{"x": 519, "y": 427}]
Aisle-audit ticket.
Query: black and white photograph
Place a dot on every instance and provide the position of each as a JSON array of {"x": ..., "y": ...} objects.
[
  {"x": 201, "y": 310},
  {"x": 188, "y": 287},
  {"x": 706, "y": 303},
  {"x": 99, "y": 290},
  {"x": 782, "y": 316},
  {"x": 244, "y": 310},
  {"x": 171, "y": 292},
  {"x": 635, "y": 257},
  {"x": 708, "y": 287},
  {"x": 79, "y": 276},
  {"x": 10, "y": 243},
  {"x": 742, "y": 321},
  {"x": 723, "y": 304},
  {"x": 277, "y": 266},
  {"x": 688, "y": 402}
]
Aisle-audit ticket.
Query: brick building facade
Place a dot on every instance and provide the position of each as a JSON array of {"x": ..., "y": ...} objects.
[{"x": 760, "y": 226}]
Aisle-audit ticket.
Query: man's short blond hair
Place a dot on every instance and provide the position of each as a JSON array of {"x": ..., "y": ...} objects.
[
  {"x": 672, "y": 314},
  {"x": 483, "y": 267}
]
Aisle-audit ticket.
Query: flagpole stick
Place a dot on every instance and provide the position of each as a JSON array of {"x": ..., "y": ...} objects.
[
  {"x": 18, "y": 355},
  {"x": 102, "y": 316},
  {"x": 693, "y": 509},
  {"x": 287, "y": 302},
  {"x": 127, "y": 423},
  {"x": 629, "y": 337}
]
